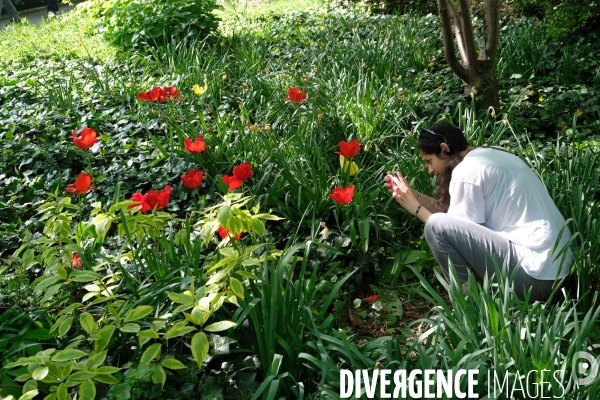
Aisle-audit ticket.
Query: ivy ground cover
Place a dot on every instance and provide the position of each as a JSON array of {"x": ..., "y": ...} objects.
[{"x": 188, "y": 220}]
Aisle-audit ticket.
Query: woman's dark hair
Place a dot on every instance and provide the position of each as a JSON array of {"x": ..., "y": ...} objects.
[{"x": 430, "y": 142}]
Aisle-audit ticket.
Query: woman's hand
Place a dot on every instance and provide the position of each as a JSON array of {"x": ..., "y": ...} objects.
[{"x": 401, "y": 191}]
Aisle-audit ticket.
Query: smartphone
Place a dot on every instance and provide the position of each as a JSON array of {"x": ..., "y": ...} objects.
[{"x": 392, "y": 184}]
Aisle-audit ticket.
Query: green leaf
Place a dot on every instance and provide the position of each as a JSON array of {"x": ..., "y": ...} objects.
[
  {"x": 251, "y": 261},
  {"x": 102, "y": 337},
  {"x": 51, "y": 292},
  {"x": 40, "y": 373},
  {"x": 84, "y": 276},
  {"x": 149, "y": 333},
  {"x": 28, "y": 395},
  {"x": 23, "y": 377},
  {"x": 413, "y": 256},
  {"x": 138, "y": 313},
  {"x": 145, "y": 336},
  {"x": 180, "y": 298},
  {"x": 30, "y": 385},
  {"x": 107, "y": 369},
  {"x": 130, "y": 328},
  {"x": 27, "y": 259},
  {"x": 192, "y": 319},
  {"x": 220, "y": 326},
  {"x": 216, "y": 278},
  {"x": 68, "y": 355},
  {"x": 69, "y": 309},
  {"x": 62, "y": 272},
  {"x": 9, "y": 386},
  {"x": 245, "y": 274},
  {"x": 87, "y": 322},
  {"x": 66, "y": 370},
  {"x": 64, "y": 328},
  {"x": 96, "y": 360},
  {"x": 236, "y": 287},
  {"x": 47, "y": 282},
  {"x": 178, "y": 331},
  {"x": 199, "y": 347},
  {"x": 102, "y": 223},
  {"x": 159, "y": 375},
  {"x": 108, "y": 379},
  {"x": 80, "y": 376},
  {"x": 37, "y": 334},
  {"x": 152, "y": 352},
  {"x": 200, "y": 315},
  {"x": 87, "y": 390},
  {"x": 62, "y": 393},
  {"x": 268, "y": 217},
  {"x": 224, "y": 215},
  {"x": 172, "y": 363},
  {"x": 259, "y": 227}
]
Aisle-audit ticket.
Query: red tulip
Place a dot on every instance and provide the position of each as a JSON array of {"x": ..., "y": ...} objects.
[
  {"x": 81, "y": 185},
  {"x": 87, "y": 139},
  {"x": 295, "y": 95},
  {"x": 232, "y": 182},
  {"x": 349, "y": 149},
  {"x": 151, "y": 95},
  {"x": 152, "y": 199},
  {"x": 169, "y": 93},
  {"x": 243, "y": 171},
  {"x": 194, "y": 147},
  {"x": 138, "y": 197},
  {"x": 192, "y": 179},
  {"x": 341, "y": 195},
  {"x": 372, "y": 299},
  {"x": 224, "y": 232},
  {"x": 76, "y": 261}
]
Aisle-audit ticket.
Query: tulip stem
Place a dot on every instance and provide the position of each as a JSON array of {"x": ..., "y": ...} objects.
[{"x": 89, "y": 159}]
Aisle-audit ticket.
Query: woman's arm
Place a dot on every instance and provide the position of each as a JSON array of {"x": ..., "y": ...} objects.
[
  {"x": 429, "y": 203},
  {"x": 406, "y": 197}
]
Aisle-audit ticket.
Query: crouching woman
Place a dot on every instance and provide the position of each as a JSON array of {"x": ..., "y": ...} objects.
[{"x": 491, "y": 207}]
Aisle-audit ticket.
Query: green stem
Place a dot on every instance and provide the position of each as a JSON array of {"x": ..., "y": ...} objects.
[{"x": 89, "y": 158}]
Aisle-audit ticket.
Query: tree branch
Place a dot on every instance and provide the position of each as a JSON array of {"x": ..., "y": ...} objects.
[
  {"x": 449, "y": 53},
  {"x": 458, "y": 32},
  {"x": 491, "y": 22},
  {"x": 469, "y": 38}
]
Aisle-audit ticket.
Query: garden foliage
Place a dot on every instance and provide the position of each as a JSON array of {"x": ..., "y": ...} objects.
[
  {"x": 562, "y": 17},
  {"x": 135, "y": 23},
  {"x": 202, "y": 219}
]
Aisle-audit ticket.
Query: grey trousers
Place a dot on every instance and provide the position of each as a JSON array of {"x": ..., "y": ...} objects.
[
  {"x": 10, "y": 9},
  {"x": 475, "y": 248}
]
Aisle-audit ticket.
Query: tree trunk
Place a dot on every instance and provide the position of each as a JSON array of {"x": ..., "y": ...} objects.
[
  {"x": 476, "y": 68},
  {"x": 486, "y": 85}
]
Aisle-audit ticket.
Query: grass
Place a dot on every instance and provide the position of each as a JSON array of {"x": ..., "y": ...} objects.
[
  {"x": 236, "y": 9},
  {"x": 72, "y": 36}
]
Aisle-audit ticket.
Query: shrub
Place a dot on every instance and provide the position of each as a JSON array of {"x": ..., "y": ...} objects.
[
  {"x": 137, "y": 22},
  {"x": 389, "y": 6},
  {"x": 562, "y": 17}
]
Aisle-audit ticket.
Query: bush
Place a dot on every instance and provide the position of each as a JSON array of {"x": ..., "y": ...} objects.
[
  {"x": 389, "y": 6},
  {"x": 562, "y": 17},
  {"x": 138, "y": 22}
]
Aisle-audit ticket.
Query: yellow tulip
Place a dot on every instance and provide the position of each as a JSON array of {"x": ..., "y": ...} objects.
[
  {"x": 345, "y": 164},
  {"x": 200, "y": 90}
]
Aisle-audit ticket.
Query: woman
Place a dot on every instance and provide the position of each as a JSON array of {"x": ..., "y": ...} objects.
[
  {"x": 491, "y": 206},
  {"x": 11, "y": 10}
]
